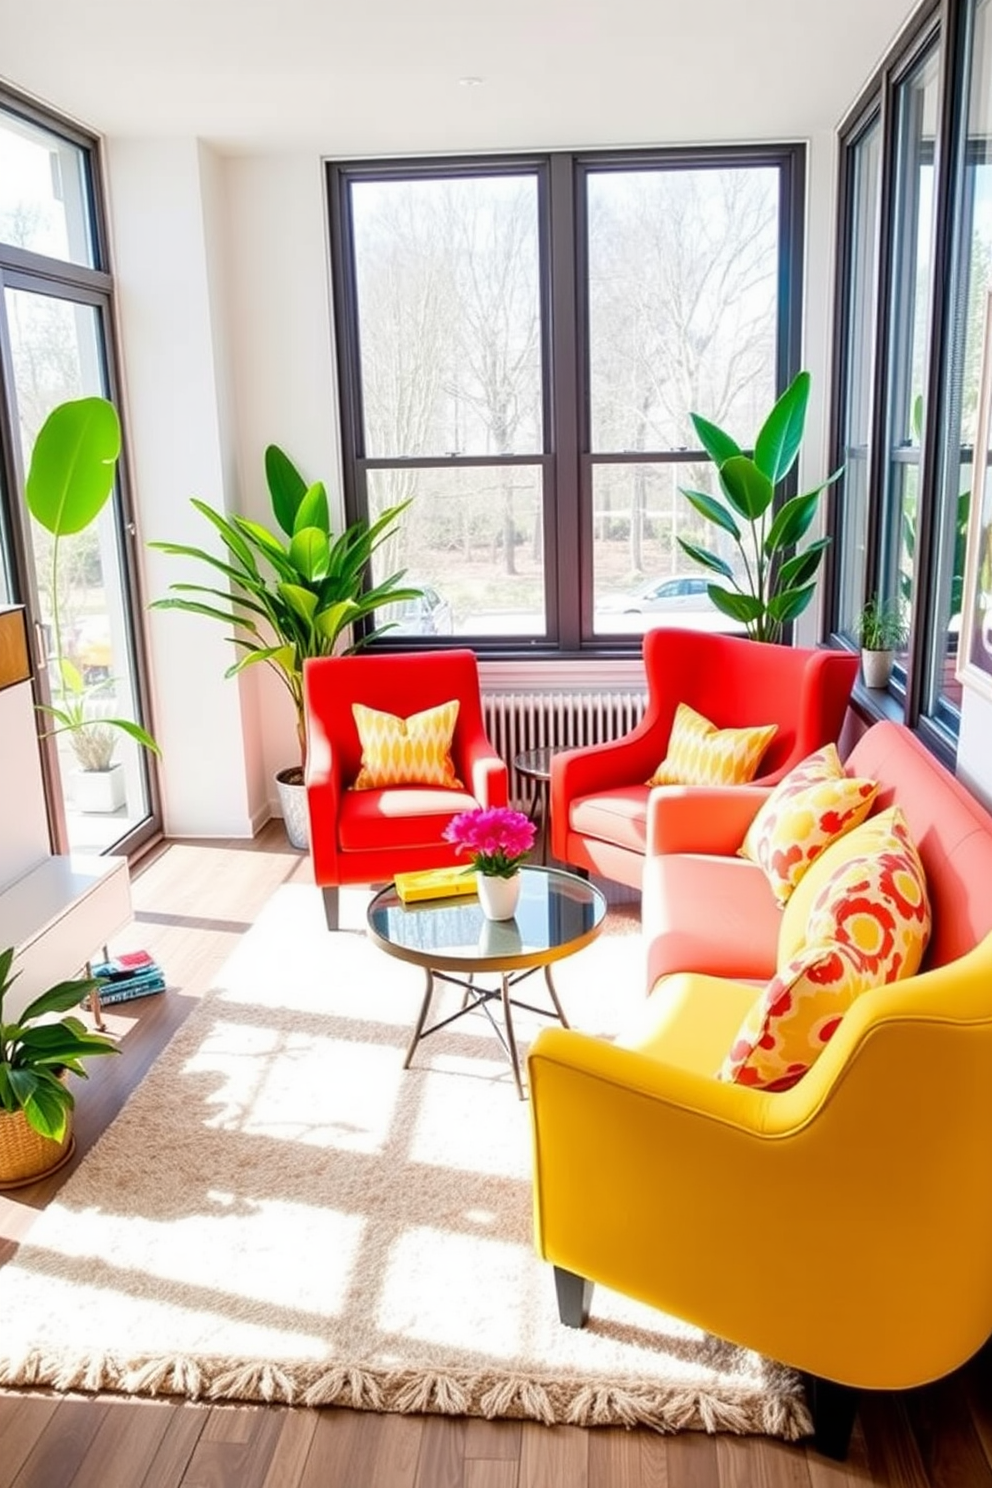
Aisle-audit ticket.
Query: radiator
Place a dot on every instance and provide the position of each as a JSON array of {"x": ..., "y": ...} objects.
[{"x": 519, "y": 721}]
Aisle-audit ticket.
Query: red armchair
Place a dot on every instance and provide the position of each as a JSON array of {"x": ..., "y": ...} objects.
[
  {"x": 368, "y": 836},
  {"x": 598, "y": 796}
]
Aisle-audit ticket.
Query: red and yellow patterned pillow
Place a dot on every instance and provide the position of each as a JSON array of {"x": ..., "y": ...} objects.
[
  {"x": 808, "y": 810},
  {"x": 406, "y": 751},
  {"x": 876, "y": 901},
  {"x": 701, "y": 754},
  {"x": 789, "y": 1025}
]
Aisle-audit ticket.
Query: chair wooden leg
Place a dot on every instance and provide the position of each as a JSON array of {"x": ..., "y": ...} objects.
[
  {"x": 833, "y": 1408},
  {"x": 574, "y": 1298},
  {"x": 331, "y": 906}
]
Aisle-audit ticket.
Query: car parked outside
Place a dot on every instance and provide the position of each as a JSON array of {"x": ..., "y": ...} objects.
[
  {"x": 430, "y": 614},
  {"x": 682, "y": 593}
]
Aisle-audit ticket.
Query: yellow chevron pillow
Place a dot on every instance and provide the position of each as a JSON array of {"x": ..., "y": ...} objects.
[
  {"x": 701, "y": 754},
  {"x": 406, "y": 751}
]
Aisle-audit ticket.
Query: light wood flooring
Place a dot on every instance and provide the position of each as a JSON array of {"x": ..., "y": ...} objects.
[{"x": 192, "y": 901}]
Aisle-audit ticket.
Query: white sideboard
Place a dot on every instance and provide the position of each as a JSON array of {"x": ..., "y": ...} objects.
[{"x": 57, "y": 911}]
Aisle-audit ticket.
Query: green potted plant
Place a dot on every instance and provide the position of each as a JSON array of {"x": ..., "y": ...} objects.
[
  {"x": 771, "y": 585},
  {"x": 290, "y": 596},
  {"x": 70, "y": 477},
  {"x": 880, "y": 631},
  {"x": 36, "y": 1054}
]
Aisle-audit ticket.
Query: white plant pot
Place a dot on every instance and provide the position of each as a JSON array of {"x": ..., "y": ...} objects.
[
  {"x": 97, "y": 791},
  {"x": 293, "y": 801},
  {"x": 876, "y": 667},
  {"x": 498, "y": 897}
]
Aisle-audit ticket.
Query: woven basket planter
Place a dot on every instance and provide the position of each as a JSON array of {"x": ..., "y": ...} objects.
[{"x": 25, "y": 1155}]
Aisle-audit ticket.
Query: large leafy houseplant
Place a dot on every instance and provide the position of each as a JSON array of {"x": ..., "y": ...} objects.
[
  {"x": 772, "y": 584},
  {"x": 36, "y": 1051},
  {"x": 286, "y": 598},
  {"x": 70, "y": 477}
]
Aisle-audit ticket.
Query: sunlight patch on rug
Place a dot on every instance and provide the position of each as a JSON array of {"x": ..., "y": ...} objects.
[{"x": 282, "y": 1212}]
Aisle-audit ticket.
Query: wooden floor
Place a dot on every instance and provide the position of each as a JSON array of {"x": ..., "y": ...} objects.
[{"x": 193, "y": 901}]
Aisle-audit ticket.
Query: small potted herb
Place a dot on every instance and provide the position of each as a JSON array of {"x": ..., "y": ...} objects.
[
  {"x": 880, "y": 631},
  {"x": 37, "y": 1051}
]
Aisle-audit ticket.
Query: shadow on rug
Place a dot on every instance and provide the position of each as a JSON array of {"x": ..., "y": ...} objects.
[{"x": 282, "y": 1213}]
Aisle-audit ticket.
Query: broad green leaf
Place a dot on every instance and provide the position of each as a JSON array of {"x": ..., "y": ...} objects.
[
  {"x": 780, "y": 436},
  {"x": 134, "y": 731},
  {"x": 286, "y": 487},
  {"x": 717, "y": 444},
  {"x": 802, "y": 566},
  {"x": 310, "y": 554},
  {"x": 312, "y": 510},
  {"x": 301, "y": 601},
  {"x": 58, "y": 999},
  {"x": 743, "y": 607},
  {"x": 713, "y": 510},
  {"x": 331, "y": 622},
  {"x": 746, "y": 487},
  {"x": 792, "y": 521},
  {"x": 790, "y": 602},
  {"x": 709, "y": 560},
  {"x": 72, "y": 677},
  {"x": 47, "y": 1110},
  {"x": 73, "y": 464}
]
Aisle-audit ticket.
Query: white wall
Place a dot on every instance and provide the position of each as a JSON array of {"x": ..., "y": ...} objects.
[{"x": 182, "y": 443}]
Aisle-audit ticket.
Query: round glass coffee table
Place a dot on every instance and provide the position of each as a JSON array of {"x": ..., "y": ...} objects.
[{"x": 451, "y": 939}]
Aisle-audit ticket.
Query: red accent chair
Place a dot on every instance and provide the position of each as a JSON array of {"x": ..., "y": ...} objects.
[
  {"x": 598, "y": 794},
  {"x": 364, "y": 837}
]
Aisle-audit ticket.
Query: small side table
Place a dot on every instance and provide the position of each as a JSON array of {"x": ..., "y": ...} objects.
[{"x": 535, "y": 765}]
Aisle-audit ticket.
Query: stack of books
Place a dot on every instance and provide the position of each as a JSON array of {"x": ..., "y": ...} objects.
[{"x": 134, "y": 974}]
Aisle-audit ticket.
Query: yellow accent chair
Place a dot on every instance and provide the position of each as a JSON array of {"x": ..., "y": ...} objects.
[{"x": 842, "y": 1226}]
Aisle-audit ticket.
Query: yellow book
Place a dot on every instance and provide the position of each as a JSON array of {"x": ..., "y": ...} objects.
[{"x": 434, "y": 883}]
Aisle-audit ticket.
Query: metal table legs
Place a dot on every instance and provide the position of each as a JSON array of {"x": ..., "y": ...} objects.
[{"x": 480, "y": 997}]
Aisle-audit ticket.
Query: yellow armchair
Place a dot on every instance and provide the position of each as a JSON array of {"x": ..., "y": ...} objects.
[{"x": 843, "y": 1227}]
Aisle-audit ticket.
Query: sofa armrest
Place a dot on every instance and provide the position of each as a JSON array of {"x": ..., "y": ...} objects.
[{"x": 701, "y": 819}]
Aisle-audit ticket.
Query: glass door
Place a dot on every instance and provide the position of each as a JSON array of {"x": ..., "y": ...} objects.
[{"x": 58, "y": 351}]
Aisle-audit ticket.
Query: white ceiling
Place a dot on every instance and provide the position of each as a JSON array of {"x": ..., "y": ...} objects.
[{"x": 382, "y": 76}]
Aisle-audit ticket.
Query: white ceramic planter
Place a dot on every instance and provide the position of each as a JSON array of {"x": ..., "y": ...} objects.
[
  {"x": 498, "y": 897},
  {"x": 99, "y": 790},
  {"x": 293, "y": 800},
  {"x": 876, "y": 667}
]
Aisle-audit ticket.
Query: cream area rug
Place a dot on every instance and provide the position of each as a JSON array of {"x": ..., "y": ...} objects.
[{"x": 281, "y": 1212}]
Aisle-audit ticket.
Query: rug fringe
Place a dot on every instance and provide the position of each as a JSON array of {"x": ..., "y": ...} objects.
[{"x": 434, "y": 1392}]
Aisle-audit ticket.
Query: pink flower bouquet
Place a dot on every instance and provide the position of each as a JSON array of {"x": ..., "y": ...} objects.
[{"x": 497, "y": 838}]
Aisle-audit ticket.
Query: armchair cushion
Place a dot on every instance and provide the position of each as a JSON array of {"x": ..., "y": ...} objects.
[
  {"x": 406, "y": 751},
  {"x": 699, "y": 753},
  {"x": 814, "y": 805},
  {"x": 796, "y": 1015},
  {"x": 404, "y": 817}
]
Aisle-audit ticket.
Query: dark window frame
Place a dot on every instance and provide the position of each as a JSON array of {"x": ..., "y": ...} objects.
[
  {"x": 914, "y": 695},
  {"x": 93, "y": 286},
  {"x": 566, "y": 460}
]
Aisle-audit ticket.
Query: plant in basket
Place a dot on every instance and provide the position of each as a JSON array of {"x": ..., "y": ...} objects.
[{"x": 36, "y": 1052}]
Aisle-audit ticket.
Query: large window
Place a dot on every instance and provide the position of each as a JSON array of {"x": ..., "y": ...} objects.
[
  {"x": 56, "y": 343},
  {"x": 915, "y": 263},
  {"x": 521, "y": 342}
]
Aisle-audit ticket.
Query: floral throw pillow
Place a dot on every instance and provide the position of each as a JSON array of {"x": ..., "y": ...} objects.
[
  {"x": 808, "y": 810},
  {"x": 701, "y": 754},
  {"x": 876, "y": 901},
  {"x": 790, "y": 1024},
  {"x": 406, "y": 751}
]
